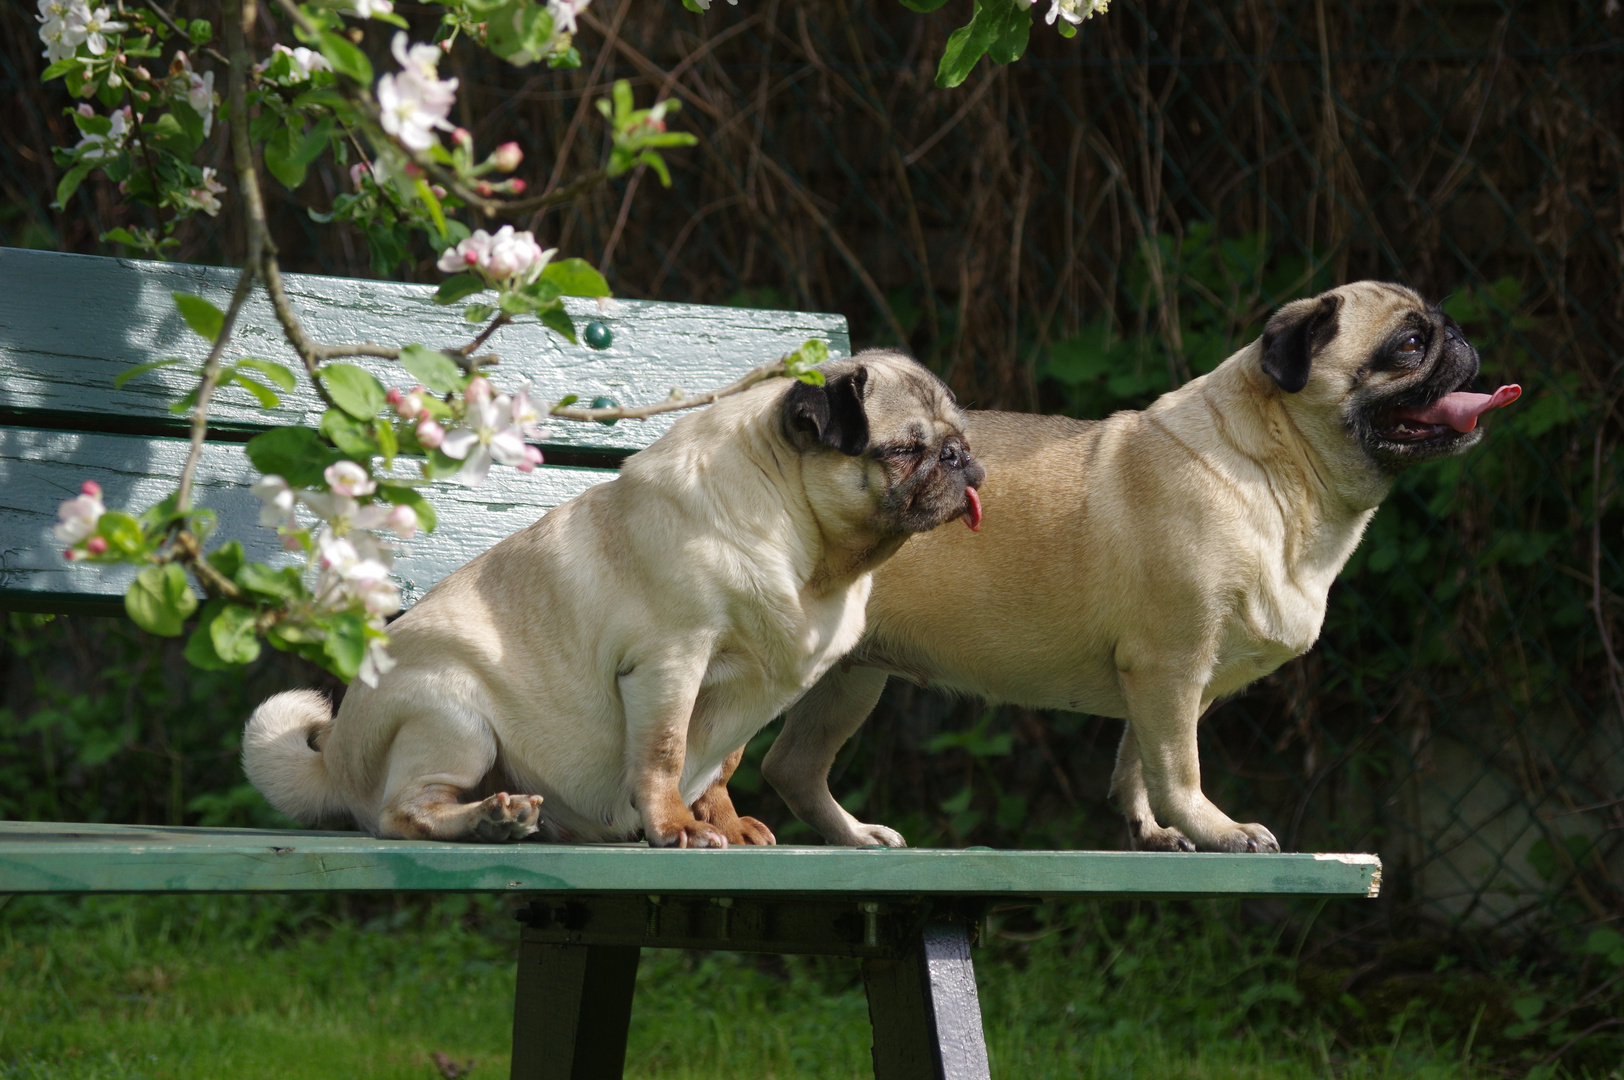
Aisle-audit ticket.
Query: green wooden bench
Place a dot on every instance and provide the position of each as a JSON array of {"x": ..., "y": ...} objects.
[{"x": 69, "y": 325}]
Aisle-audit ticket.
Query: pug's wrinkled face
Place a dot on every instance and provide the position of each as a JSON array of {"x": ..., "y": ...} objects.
[
  {"x": 908, "y": 465},
  {"x": 1395, "y": 368}
]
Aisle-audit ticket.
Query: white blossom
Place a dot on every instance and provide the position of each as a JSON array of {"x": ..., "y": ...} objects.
[
  {"x": 106, "y": 147},
  {"x": 1075, "y": 11},
  {"x": 302, "y": 63},
  {"x": 563, "y": 13},
  {"x": 526, "y": 416},
  {"x": 348, "y": 478},
  {"x": 61, "y": 23},
  {"x": 704, "y": 5},
  {"x": 94, "y": 25},
  {"x": 200, "y": 96},
  {"x": 507, "y": 259},
  {"x": 402, "y": 521},
  {"x": 376, "y": 662},
  {"x": 368, "y": 9},
  {"x": 489, "y": 435},
  {"x": 415, "y": 102},
  {"x": 278, "y": 500},
  {"x": 207, "y": 197},
  {"x": 77, "y": 517}
]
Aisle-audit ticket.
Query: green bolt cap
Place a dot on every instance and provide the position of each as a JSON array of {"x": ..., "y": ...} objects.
[
  {"x": 598, "y": 336},
  {"x": 604, "y": 402}
]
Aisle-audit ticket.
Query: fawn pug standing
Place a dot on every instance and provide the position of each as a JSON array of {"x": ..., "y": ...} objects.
[
  {"x": 1144, "y": 565},
  {"x": 610, "y": 661}
]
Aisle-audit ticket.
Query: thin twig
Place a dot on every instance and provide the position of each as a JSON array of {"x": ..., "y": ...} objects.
[
  {"x": 496, "y": 324},
  {"x": 692, "y": 401},
  {"x": 169, "y": 21}
]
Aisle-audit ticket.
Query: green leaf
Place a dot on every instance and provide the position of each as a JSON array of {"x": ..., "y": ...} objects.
[
  {"x": 203, "y": 317},
  {"x": 477, "y": 313},
  {"x": 227, "y": 558},
  {"x": 1010, "y": 43},
  {"x": 70, "y": 183},
  {"x": 575, "y": 277},
  {"x": 426, "y": 196},
  {"x": 354, "y": 390},
  {"x": 200, "y": 31},
  {"x": 235, "y": 639},
  {"x": 388, "y": 445},
  {"x": 277, "y": 373},
  {"x": 122, "y": 532},
  {"x": 141, "y": 369},
  {"x": 200, "y": 645},
  {"x": 654, "y": 161},
  {"x": 457, "y": 286},
  {"x": 400, "y": 495},
  {"x": 559, "y": 321},
  {"x": 346, "y": 58},
  {"x": 922, "y": 5},
  {"x": 350, "y": 435},
  {"x": 345, "y": 645},
  {"x": 433, "y": 368},
  {"x": 160, "y": 600},
  {"x": 519, "y": 32},
  {"x": 263, "y": 394},
  {"x": 59, "y": 69},
  {"x": 994, "y": 23},
  {"x": 283, "y": 584},
  {"x": 296, "y": 454}
]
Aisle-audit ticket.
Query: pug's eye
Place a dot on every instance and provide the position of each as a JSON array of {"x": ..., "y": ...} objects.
[{"x": 1412, "y": 344}]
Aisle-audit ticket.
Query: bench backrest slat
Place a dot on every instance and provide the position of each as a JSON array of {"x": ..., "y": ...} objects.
[{"x": 70, "y": 324}]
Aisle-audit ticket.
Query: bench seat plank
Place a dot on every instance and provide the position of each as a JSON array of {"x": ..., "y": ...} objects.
[
  {"x": 43, "y": 857},
  {"x": 71, "y": 324},
  {"x": 38, "y": 469}
]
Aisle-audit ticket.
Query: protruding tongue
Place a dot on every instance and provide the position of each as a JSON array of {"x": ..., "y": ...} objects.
[
  {"x": 972, "y": 516},
  {"x": 1461, "y": 410}
]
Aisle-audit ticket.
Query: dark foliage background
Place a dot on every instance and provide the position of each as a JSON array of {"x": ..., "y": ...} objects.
[{"x": 1078, "y": 232}]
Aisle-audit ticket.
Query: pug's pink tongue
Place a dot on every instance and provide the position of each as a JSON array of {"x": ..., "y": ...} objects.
[
  {"x": 1460, "y": 410},
  {"x": 972, "y": 516}
]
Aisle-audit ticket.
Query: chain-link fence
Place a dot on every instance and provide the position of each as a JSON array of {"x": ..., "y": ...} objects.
[{"x": 1095, "y": 224}]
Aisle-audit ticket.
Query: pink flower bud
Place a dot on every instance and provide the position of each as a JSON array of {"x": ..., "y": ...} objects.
[
  {"x": 122, "y": 58},
  {"x": 471, "y": 257},
  {"x": 532, "y": 458},
  {"x": 414, "y": 170},
  {"x": 358, "y": 172},
  {"x": 507, "y": 156},
  {"x": 409, "y": 405},
  {"x": 461, "y": 136},
  {"x": 143, "y": 73},
  {"x": 393, "y": 396},
  {"x": 86, "y": 111},
  {"x": 96, "y": 545},
  {"x": 484, "y": 188},
  {"x": 91, "y": 488},
  {"x": 430, "y": 434},
  {"x": 71, "y": 555},
  {"x": 439, "y": 192},
  {"x": 402, "y": 521},
  {"x": 479, "y": 390},
  {"x": 516, "y": 186},
  {"x": 445, "y": 46}
]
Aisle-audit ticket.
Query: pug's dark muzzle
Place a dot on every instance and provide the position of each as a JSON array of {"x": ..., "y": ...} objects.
[
  {"x": 941, "y": 491},
  {"x": 1433, "y": 417}
]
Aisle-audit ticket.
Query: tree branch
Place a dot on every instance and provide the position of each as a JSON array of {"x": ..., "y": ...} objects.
[
  {"x": 673, "y": 404},
  {"x": 169, "y": 21}
]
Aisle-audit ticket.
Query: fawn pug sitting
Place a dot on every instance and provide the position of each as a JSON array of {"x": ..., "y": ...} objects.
[{"x": 610, "y": 661}]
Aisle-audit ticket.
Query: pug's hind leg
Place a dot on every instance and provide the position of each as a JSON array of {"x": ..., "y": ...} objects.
[
  {"x": 659, "y": 697},
  {"x": 815, "y": 728},
  {"x": 715, "y": 808},
  {"x": 433, "y": 765},
  {"x": 1129, "y": 794}
]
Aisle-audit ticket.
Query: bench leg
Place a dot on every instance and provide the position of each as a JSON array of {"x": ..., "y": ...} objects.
[
  {"x": 925, "y": 1012},
  {"x": 571, "y": 1009}
]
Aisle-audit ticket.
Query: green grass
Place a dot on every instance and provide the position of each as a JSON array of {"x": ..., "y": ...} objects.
[{"x": 229, "y": 987}]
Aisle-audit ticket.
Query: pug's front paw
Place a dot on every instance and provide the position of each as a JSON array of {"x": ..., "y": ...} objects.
[
  {"x": 1247, "y": 838},
  {"x": 685, "y": 834},
  {"x": 505, "y": 817},
  {"x": 875, "y": 836}
]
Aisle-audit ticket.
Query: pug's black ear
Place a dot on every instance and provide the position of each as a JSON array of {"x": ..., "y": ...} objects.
[
  {"x": 1292, "y": 337},
  {"x": 831, "y": 414}
]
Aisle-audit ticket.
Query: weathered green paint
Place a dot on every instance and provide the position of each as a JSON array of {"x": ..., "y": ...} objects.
[
  {"x": 70, "y": 324},
  {"x": 43, "y": 858},
  {"x": 38, "y": 469}
]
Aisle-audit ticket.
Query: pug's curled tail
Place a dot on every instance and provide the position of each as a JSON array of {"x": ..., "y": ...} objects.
[{"x": 280, "y": 757}]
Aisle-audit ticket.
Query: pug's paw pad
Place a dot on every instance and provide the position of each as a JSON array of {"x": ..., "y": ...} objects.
[
  {"x": 876, "y": 836},
  {"x": 507, "y": 817},
  {"x": 747, "y": 830},
  {"x": 1248, "y": 838},
  {"x": 1157, "y": 838}
]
